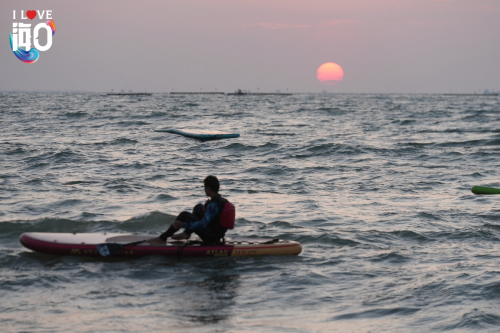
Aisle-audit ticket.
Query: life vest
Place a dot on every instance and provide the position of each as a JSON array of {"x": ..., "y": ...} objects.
[{"x": 226, "y": 214}]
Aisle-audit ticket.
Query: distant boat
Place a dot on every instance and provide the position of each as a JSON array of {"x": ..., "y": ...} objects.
[{"x": 239, "y": 92}]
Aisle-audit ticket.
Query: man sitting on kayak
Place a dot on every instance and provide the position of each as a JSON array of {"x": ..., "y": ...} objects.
[{"x": 210, "y": 221}]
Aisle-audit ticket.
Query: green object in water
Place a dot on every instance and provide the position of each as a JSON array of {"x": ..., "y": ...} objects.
[{"x": 485, "y": 190}]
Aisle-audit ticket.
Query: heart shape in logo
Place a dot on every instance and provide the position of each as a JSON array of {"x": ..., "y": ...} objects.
[{"x": 31, "y": 14}]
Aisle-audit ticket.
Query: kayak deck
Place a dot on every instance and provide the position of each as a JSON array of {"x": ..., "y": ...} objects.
[{"x": 84, "y": 244}]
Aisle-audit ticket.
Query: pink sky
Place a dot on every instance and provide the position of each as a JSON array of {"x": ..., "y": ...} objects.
[{"x": 400, "y": 46}]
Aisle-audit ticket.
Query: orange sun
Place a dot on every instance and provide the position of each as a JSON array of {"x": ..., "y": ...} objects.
[{"x": 330, "y": 74}]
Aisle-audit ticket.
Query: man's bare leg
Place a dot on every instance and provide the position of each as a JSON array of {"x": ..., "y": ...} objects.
[
  {"x": 156, "y": 241},
  {"x": 182, "y": 235},
  {"x": 163, "y": 237}
]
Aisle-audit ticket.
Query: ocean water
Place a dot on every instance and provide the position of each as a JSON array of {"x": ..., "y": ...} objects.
[{"x": 375, "y": 187}]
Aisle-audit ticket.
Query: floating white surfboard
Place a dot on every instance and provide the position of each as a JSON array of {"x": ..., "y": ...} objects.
[{"x": 200, "y": 134}]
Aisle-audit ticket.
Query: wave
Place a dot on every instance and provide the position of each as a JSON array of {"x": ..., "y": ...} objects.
[
  {"x": 119, "y": 141},
  {"x": 77, "y": 114},
  {"x": 327, "y": 239},
  {"x": 377, "y": 313},
  {"x": 81, "y": 182},
  {"x": 143, "y": 223},
  {"x": 474, "y": 319},
  {"x": 241, "y": 146}
]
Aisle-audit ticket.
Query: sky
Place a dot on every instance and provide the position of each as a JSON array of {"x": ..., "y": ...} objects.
[{"x": 383, "y": 46}]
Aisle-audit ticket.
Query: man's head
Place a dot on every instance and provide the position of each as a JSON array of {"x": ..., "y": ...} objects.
[{"x": 212, "y": 183}]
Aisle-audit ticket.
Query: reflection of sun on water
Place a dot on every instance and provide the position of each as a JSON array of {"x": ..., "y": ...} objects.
[{"x": 330, "y": 73}]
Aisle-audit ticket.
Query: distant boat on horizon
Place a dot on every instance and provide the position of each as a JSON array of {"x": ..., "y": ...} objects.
[{"x": 240, "y": 92}]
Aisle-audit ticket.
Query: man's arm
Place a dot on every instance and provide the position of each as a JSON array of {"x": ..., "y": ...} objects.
[{"x": 210, "y": 213}]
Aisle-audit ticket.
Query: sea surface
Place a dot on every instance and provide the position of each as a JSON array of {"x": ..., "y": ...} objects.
[{"x": 375, "y": 187}]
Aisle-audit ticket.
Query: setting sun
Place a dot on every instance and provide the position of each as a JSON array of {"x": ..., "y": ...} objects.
[{"x": 330, "y": 73}]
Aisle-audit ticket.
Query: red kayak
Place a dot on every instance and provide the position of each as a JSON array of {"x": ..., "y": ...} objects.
[{"x": 86, "y": 244}]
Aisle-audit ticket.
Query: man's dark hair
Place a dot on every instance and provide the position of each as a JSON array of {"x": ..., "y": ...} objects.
[{"x": 213, "y": 183}]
